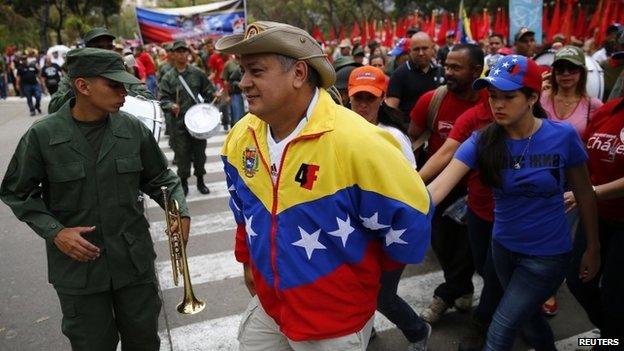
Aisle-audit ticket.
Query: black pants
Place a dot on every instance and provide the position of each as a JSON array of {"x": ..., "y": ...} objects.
[
  {"x": 95, "y": 322},
  {"x": 396, "y": 309},
  {"x": 450, "y": 243},
  {"x": 188, "y": 149},
  {"x": 602, "y": 297}
]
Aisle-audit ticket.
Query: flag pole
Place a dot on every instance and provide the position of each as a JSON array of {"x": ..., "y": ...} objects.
[
  {"x": 136, "y": 17},
  {"x": 245, "y": 9}
]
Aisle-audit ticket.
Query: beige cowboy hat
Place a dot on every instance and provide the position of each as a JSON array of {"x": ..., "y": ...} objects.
[{"x": 279, "y": 38}]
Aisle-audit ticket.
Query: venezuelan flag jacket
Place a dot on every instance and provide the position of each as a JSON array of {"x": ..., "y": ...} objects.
[{"x": 345, "y": 199}]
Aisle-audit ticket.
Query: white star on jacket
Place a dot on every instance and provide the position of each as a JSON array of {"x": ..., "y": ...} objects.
[
  {"x": 248, "y": 228},
  {"x": 343, "y": 231},
  {"x": 372, "y": 222},
  {"x": 394, "y": 236},
  {"x": 309, "y": 242},
  {"x": 506, "y": 64},
  {"x": 496, "y": 71}
]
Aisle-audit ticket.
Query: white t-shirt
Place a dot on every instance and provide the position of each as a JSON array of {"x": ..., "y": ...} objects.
[
  {"x": 406, "y": 145},
  {"x": 276, "y": 149}
]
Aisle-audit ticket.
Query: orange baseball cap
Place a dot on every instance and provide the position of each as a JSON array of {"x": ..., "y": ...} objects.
[{"x": 369, "y": 79}]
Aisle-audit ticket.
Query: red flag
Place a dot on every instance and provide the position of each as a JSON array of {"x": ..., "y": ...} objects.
[
  {"x": 485, "y": 24},
  {"x": 316, "y": 34},
  {"x": 498, "y": 21},
  {"x": 332, "y": 33},
  {"x": 505, "y": 23},
  {"x": 364, "y": 38},
  {"x": 555, "y": 22},
  {"x": 593, "y": 24},
  {"x": 341, "y": 33},
  {"x": 617, "y": 13},
  {"x": 475, "y": 21},
  {"x": 605, "y": 22},
  {"x": 355, "y": 31},
  {"x": 444, "y": 27},
  {"x": 566, "y": 26},
  {"x": 581, "y": 21}
]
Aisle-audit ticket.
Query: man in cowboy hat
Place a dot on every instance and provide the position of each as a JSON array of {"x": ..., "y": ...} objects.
[
  {"x": 98, "y": 37},
  {"x": 316, "y": 208}
]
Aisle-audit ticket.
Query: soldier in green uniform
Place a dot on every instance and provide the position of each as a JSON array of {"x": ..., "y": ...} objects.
[
  {"x": 176, "y": 100},
  {"x": 76, "y": 179},
  {"x": 97, "y": 37},
  {"x": 163, "y": 68}
]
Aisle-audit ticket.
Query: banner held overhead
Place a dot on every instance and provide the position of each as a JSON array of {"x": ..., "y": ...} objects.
[{"x": 158, "y": 25}]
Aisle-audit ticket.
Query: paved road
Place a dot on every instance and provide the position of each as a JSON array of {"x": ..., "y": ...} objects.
[{"x": 30, "y": 314}]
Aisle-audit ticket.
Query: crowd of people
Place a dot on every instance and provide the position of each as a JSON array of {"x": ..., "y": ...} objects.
[{"x": 504, "y": 167}]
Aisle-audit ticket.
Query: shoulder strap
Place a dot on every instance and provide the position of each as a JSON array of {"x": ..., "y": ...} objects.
[
  {"x": 434, "y": 106},
  {"x": 188, "y": 90},
  {"x": 432, "y": 114}
]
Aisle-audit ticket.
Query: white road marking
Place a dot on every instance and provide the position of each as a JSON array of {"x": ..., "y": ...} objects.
[
  {"x": 218, "y": 190},
  {"x": 204, "y": 269},
  {"x": 220, "y": 333},
  {"x": 200, "y": 225}
]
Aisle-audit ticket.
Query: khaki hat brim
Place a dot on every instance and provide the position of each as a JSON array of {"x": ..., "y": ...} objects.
[
  {"x": 276, "y": 41},
  {"x": 121, "y": 77}
]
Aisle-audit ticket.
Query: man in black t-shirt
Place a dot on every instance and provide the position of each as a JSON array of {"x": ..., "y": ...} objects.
[
  {"x": 416, "y": 76},
  {"x": 27, "y": 80},
  {"x": 51, "y": 74}
]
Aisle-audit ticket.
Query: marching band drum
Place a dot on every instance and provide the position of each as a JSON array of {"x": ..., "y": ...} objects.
[
  {"x": 203, "y": 120},
  {"x": 147, "y": 111}
]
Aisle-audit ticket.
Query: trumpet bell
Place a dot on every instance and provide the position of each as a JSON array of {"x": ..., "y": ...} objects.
[{"x": 191, "y": 306}]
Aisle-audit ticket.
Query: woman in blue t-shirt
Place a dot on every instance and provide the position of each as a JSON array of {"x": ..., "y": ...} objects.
[{"x": 527, "y": 160}]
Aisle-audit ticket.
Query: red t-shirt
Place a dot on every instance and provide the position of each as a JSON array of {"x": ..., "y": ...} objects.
[
  {"x": 605, "y": 146},
  {"x": 480, "y": 197},
  {"x": 147, "y": 62},
  {"x": 216, "y": 64},
  {"x": 450, "y": 108},
  {"x": 140, "y": 69}
]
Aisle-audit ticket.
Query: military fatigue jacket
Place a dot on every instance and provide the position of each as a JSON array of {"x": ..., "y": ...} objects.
[
  {"x": 55, "y": 180},
  {"x": 172, "y": 91},
  {"x": 65, "y": 93}
]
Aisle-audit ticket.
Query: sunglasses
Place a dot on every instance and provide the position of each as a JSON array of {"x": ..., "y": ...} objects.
[{"x": 572, "y": 69}]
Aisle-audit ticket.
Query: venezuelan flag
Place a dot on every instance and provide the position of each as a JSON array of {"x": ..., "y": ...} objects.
[{"x": 464, "y": 35}]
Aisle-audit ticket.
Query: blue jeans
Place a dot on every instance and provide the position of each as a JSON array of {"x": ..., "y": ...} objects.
[
  {"x": 527, "y": 281},
  {"x": 396, "y": 309},
  {"x": 602, "y": 297},
  {"x": 237, "y": 108},
  {"x": 480, "y": 237},
  {"x": 29, "y": 91},
  {"x": 152, "y": 85}
]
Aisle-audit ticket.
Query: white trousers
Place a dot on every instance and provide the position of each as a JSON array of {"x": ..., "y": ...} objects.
[{"x": 259, "y": 332}]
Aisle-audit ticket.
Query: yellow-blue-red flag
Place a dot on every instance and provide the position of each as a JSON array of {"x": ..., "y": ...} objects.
[{"x": 463, "y": 25}]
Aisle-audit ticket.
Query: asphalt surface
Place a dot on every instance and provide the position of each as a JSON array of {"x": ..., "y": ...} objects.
[{"x": 30, "y": 315}]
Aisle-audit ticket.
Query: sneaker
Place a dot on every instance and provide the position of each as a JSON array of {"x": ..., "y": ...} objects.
[
  {"x": 435, "y": 310},
  {"x": 464, "y": 303},
  {"x": 420, "y": 345},
  {"x": 550, "y": 310},
  {"x": 38, "y": 109},
  {"x": 32, "y": 113},
  {"x": 474, "y": 339}
]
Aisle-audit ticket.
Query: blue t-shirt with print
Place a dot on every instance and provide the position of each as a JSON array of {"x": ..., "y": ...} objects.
[{"x": 529, "y": 214}]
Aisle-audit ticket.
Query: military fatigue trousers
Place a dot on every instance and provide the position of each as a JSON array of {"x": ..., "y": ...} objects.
[
  {"x": 95, "y": 322},
  {"x": 187, "y": 149}
]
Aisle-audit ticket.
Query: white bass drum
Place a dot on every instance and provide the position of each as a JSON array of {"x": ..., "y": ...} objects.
[
  {"x": 146, "y": 111},
  {"x": 202, "y": 120}
]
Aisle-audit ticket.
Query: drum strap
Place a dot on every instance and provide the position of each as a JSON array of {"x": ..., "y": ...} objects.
[{"x": 188, "y": 90}]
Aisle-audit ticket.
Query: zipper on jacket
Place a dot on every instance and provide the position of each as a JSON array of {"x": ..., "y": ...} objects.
[{"x": 273, "y": 234}]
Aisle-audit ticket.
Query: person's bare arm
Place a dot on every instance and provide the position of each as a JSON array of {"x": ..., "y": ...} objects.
[
  {"x": 439, "y": 160},
  {"x": 578, "y": 180},
  {"x": 446, "y": 181}
]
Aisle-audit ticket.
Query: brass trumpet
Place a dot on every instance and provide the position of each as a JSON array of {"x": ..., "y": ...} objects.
[{"x": 179, "y": 264}]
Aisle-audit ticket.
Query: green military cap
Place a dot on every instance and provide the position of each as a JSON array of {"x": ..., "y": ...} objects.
[
  {"x": 96, "y": 33},
  {"x": 344, "y": 61},
  {"x": 167, "y": 46},
  {"x": 571, "y": 54},
  {"x": 94, "y": 62},
  {"x": 179, "y": 44},
  {"x": 358, "y": 51}
]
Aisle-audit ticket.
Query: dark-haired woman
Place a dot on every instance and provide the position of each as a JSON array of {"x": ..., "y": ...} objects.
[
  {"x": 603, "y": 296},
  {"x": 566, "y": 100},
  {"x": 367, "y": 88},
  {"x": 527, "y": 160}
]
